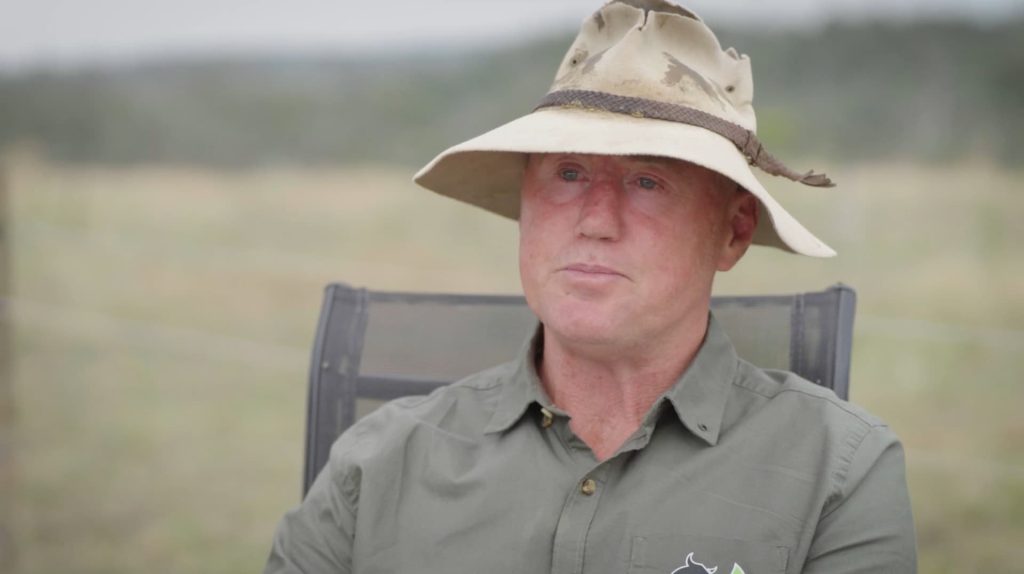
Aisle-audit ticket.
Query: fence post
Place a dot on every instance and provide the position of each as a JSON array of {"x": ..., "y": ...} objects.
[{"x": 7, "y": 549}]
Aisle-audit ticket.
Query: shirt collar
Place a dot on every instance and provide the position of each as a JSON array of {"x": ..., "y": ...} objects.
[
  {"x": 522, "y": 388},
  {"x": 698, "y": 397}
]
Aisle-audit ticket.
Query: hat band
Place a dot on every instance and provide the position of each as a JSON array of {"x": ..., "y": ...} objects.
[{"x": 745, "y": 140}]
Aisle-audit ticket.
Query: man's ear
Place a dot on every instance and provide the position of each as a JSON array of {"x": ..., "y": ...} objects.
[{"x": 742, "y": 214}]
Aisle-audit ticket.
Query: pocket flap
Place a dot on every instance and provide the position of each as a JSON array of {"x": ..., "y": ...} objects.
[{"x": 691, "y": 554}]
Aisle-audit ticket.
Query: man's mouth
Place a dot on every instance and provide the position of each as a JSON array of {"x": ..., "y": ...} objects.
[{"x": 591, "y": 269}]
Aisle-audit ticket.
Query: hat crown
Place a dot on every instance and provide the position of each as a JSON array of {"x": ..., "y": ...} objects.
[
  {"x": 657, "y": 51},
  {"x": 643, "y": 77}
]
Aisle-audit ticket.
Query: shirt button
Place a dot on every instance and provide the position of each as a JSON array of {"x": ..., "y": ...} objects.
[
  {"x": 546, "y": 418},
  {"x": 588, "y": 487}
]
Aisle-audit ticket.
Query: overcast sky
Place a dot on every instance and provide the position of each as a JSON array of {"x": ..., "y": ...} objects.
[{"x": 66, "y": 32}]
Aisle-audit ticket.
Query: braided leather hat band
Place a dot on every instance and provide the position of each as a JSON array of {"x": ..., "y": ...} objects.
[{"x": 745, "y": 140}]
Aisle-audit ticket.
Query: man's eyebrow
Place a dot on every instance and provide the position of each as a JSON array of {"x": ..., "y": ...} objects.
[
  {"x": 662, "y": 161},
  {"x": 656, "y": 159},
  {"x": 659, "y": 160},
  {"x": 651, "y": 158}
]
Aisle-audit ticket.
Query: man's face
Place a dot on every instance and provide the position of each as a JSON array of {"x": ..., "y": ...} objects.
[{"x": 616, "y": 250}]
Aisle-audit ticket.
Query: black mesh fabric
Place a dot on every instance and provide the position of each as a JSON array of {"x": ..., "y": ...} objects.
[{"x": 373, "y": 346}]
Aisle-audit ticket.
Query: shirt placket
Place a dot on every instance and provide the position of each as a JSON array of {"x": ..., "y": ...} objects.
[
  {"x": 577, "y": 515},
  {"x": 582, "y": 502}
]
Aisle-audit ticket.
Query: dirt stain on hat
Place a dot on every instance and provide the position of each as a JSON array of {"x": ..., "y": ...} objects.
[
  {"x": 578, "y": 58},
  {"x": 658, "y": 6},
  {"x": 592, "y": 61},
  {"x": 678, "y": 70}
]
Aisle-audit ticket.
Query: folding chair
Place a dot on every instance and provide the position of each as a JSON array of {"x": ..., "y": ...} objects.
[{"x": 375, "y": 346}]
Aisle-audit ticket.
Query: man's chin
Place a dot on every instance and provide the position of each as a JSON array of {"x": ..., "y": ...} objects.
[{"x": 582, "y": 324}]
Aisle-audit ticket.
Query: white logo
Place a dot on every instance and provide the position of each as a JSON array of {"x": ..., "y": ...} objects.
[{"x": 694, "y": 567}]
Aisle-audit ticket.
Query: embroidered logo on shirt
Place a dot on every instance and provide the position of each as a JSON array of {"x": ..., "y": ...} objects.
[{"x": 694, "y": 567}]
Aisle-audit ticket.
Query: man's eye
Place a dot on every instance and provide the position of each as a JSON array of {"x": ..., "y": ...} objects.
[
  {"x": 647, "y": 183},
  {"x": 569, "y": 174}
]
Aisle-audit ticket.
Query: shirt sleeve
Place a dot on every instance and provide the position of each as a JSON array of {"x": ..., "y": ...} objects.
[
  {"x": 867, "y": 527},
  {"x": 316, "y": 537}
]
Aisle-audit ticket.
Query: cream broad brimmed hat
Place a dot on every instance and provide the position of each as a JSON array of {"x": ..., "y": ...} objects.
[{"x": 643, "y": 77}]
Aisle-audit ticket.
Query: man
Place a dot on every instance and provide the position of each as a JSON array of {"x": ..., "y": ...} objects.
[{"x": 627, "y": 436}]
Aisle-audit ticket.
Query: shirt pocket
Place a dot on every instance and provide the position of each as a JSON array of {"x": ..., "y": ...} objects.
[{"x": 694, "y": 554}]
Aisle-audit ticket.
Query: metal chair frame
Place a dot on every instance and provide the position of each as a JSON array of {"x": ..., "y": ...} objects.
[{"x": 335, "y": 380}]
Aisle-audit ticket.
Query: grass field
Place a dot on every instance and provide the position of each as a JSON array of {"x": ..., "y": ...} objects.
[{"x": 162, "y": 318}]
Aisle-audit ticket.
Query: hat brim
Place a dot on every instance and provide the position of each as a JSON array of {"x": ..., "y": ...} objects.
[{"x": 487, "y": 170}]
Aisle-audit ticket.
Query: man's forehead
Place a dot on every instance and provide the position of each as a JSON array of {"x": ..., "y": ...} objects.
[
  {"x": 658, "y": 159},
  {"x": 676, "y": 166},
  {"x": 635, "y": 158}
]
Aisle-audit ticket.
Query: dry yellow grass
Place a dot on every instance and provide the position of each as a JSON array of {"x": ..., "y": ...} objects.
[{"x": 163, "y": 317}]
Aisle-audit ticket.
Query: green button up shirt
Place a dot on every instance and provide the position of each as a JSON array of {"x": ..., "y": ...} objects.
[{"x": 735, "y": 468}]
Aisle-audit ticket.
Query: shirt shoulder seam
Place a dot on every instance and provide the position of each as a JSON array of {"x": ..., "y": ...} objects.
[
  {"x": 468, "y": 382},
  {"x": 836, "y": 402},
  {"x": 870, "y": 422},
  {"x": 854, "y": 441}
]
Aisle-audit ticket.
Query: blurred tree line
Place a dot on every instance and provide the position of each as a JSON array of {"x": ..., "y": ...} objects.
[{"x": 932, "y": 91}]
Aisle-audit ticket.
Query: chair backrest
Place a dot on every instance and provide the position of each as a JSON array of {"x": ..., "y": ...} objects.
[{"x": 375, "y": 346}]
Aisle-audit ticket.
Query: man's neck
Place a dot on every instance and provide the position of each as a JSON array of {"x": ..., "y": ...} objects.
[{"x": 608, "y": 393}]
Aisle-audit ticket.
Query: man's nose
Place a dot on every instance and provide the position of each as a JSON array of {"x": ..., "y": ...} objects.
[{"x": 601, "y": 210}]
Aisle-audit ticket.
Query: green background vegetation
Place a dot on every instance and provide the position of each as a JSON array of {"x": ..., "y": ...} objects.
[
  {"x": 921, "y": 90},
  {"x": 170, "y": 227}
]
